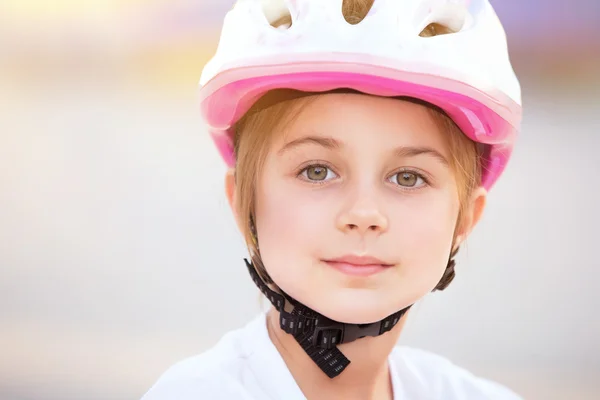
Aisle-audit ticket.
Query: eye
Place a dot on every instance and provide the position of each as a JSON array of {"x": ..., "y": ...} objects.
[
  {"x": 408, "y": 179},
  {"x": 317, "y": 173}
]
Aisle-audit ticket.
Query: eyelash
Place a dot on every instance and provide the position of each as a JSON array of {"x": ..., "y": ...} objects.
[{"x": 327, "y": 166}]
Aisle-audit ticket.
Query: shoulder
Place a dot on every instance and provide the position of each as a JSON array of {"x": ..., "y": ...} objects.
[
  {"x": 428, "y": 375},
  {"x": 202, "y": 376},
  {"x": 214, "y": 374}
]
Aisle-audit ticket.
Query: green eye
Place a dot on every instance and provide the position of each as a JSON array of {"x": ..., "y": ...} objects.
[
  {"x": 408, "y": 179},
  {"x": 317, "y": 173}
]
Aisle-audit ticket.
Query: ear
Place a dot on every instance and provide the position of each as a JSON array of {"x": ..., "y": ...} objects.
[
  {"x": 230, "y": 193},
  {"x": 472, "y": 216}
]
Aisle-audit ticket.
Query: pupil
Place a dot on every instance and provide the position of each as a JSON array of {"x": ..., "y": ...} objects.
[
  {"x": 316, "y": 173},
  {"x": 409, "y": 179}
]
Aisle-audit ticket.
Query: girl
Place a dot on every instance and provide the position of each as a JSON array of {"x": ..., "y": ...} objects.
[{"x": 362, "y": 137}]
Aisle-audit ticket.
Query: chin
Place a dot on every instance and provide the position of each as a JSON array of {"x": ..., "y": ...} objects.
[{"x": 353, "y": 306}]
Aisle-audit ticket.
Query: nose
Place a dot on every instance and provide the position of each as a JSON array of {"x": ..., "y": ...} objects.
[{"x": 362, "y": 214}]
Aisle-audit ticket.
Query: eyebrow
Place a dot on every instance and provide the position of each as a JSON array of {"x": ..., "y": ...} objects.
[
  {"x": 404, "y": 152},
  {"x": 333, "y": 144},
  {"x": 327, "y": 142}
]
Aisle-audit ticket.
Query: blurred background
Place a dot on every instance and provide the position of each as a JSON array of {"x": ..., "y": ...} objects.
[{"x": 118, "y": 253}]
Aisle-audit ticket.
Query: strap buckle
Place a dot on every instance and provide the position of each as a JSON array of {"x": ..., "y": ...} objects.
[{"x": 330, "y": 333}]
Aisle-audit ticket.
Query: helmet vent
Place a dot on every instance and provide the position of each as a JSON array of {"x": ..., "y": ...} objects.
[
  {"x": 277, "y": 13},
  {"x": 435, "y": 29},
  {"x": 354, "y": 11},
  {"x": 445, "y": 19}
]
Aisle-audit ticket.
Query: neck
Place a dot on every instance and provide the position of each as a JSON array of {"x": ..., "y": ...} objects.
[{"x": 367, "y": 376}]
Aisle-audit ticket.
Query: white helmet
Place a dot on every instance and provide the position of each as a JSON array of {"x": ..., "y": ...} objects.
[{"x": 467, "y": 73}]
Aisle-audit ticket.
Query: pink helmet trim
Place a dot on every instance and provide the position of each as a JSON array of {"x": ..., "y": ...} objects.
[{"x": 488, "y": 118}]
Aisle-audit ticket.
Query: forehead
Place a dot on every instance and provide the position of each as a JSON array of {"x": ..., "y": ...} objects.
[{"x": 368, "y": 121}]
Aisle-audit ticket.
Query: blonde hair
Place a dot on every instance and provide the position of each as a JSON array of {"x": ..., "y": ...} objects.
[
  {"x": 355, "y": 11},
  {"x": 253, "y": 135}
]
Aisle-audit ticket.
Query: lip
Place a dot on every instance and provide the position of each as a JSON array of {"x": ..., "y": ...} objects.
[{"x": 358, "y": 265}]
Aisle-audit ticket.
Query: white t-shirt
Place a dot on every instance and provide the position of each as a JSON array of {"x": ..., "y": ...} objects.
[{"x": 245, "y": 365}]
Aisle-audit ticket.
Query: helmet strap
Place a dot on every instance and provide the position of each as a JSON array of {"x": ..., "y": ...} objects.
[{"x": 317, "y": 334}]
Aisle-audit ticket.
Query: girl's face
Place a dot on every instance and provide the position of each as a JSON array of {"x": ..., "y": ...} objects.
[{"x": 355, "y": 180}]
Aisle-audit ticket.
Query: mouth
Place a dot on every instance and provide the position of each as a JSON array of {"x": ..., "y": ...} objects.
[{"x": 358, "y": 265}]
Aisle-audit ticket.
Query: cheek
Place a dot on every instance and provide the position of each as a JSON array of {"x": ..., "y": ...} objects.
[
  {"x": 428, "y": 218},
  {"x": 288, "y": 218},
  {"x": 425, "y": 229}
]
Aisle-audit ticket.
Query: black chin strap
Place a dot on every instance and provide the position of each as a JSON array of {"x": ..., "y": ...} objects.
[{"x": 318, "y": 335}]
